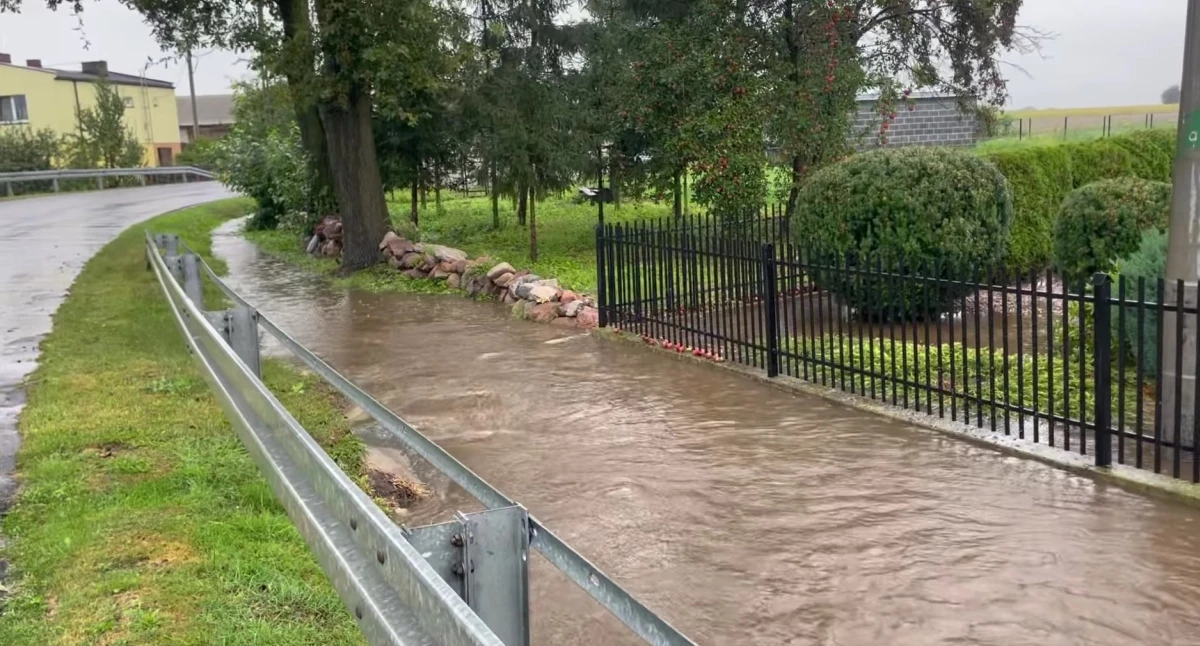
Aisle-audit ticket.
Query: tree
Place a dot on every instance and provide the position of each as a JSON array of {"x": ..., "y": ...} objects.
[
  {"x": 1171, "y": 95},
  {"x": 103, "y": 138}
]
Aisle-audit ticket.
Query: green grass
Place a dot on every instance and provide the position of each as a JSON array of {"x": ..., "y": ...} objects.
[
  {"x": 141, "y": 519},
  {"x": 1056, "y": 138},
  {"x": 565, "y": 230}
]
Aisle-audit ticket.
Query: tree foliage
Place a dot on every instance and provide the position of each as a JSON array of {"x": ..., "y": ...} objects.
[{"x": 103, "y": 138}]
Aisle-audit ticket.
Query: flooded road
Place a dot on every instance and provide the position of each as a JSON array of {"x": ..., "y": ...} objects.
[{"x": 741, "y": 513}]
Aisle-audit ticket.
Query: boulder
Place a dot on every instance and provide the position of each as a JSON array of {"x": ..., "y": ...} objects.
[
  {"x": 543, "y": 313},
  {"x": 411, "y": 260},
  {"x": 415, "y": 273},
  {"x": 331, "y": 248},
  {"x": 499, "y": 270},
  {"x": 549, "y": 282},
  {"x": 388, "y": 237},
  {"x": 399, "y": 246},
  {"x": 588, "y": 317},
  {"x": 572, "y": 308},
  {"x": 568, "y": 296},
  {"x": 445, "y": 254},
  {"x": 542, "y": 293},
  {"x": 313, "y": 243},
  {"x": 447, "y": 267},
  {"x": 460, "y": 266},
  {"x": 563, "y": 322},
  {"x": 507, "y": 298},
  {"x": 522, "y": 290},
  {"x": 453, "y": 280},
  {"x": 394, "y": 262},
  {"x": 503, "y": 280},
  {"x": 439, "y": 274}
]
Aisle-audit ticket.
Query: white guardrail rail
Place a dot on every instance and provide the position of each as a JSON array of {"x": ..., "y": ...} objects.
[
  {"x": 99, "y": 174},
  {"x": 462, "y": 582}
]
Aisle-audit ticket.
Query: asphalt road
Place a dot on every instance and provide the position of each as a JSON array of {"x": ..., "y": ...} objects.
[{"x": 44, "y": 243}]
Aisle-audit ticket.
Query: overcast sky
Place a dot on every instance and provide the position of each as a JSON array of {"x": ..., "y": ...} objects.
[{"x": 1106, "y": 52}]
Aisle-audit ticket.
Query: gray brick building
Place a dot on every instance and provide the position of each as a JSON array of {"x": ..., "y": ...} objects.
[{"x": 935, "y": 120}]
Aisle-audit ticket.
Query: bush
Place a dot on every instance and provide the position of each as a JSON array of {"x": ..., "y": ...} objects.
[
  {"x": 1092, "y": 161},
  {"x": 270, "y": 168},
  {"x": 1152, "y": 153},
  {"x": 1149, "y": 261},
  {"x": 921, "y": 207},
  {"x": 1103, "y": 222},
  {"x": 201, "y": 153},
  {"x": 1040, "y": 178}
]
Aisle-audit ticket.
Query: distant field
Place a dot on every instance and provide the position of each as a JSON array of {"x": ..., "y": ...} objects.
[{"x": 1120, "y": 110}]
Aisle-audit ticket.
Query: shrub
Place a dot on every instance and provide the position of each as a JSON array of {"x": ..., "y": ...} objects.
[
  {"x": 270, "y": 167},
  {"x": 1149, "y": 261},
  {"x": 1040, "y": 178},
  {"x": 921, "y": 207},
  {"x": 200, "y": 153},
  {"x": 1092, "y": 161},
  {"x": 1103, "y": 222},
  {"x": 26, "y": 149},
  {"x": 1152, "y": 153}
]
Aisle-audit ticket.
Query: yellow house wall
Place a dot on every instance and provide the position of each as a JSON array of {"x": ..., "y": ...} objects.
[{"x": 51, "y": 103}]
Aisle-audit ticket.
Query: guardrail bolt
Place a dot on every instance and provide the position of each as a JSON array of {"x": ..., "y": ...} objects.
[
  {"x": 457, "y": 569},
  {"x": 456, "y": 540}
]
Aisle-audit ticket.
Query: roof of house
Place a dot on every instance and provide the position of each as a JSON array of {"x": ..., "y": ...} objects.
[
  {"x": 211, "y": 109},
  {"x": 113, "y": 77}
]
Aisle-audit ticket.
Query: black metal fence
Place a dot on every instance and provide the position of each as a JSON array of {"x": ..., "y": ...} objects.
[{"x": 1096, "y": 367}]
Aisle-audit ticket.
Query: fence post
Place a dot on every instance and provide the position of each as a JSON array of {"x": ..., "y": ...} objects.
[
  {"x": 601, "y": 271},
  {"x": 770, "y": 295},
  {"x": 1102, "y": 342}
]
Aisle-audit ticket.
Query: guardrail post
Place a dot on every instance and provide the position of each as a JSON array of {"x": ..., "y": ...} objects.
[
  {"x": 54, "y": 184},
  {"x": 100, "y": 183},
  {"x": 192, "y": 286},
  {"x": 8, "y": 188},
  {"x": 1102, "y": 342},
  {"x": 185, "y": 178},
  {"x": 242, "y": 333},
  {"x": 142, "y": 178},
  {"x": 170, "y": 244}
]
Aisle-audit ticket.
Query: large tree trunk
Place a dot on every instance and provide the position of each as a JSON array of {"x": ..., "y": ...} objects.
[
  {"x": 297, "y": 28},
  {"x": 522, "y": 201},
  {"x": 356, "y": 178},
  {"x": 495, "y": 195},
  {"x": 794, "y": 192},
  {"x": 614, "y": 183}
]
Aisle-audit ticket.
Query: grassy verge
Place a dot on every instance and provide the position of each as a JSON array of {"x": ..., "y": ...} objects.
[{"x": 141, "y": 520}]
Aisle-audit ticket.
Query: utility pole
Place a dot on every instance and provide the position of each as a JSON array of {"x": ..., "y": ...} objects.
[
  {"x": 1183, "y": 251},
  {"x": 192, "y": 89}
]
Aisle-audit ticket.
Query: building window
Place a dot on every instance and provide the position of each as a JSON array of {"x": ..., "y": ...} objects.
[
  {"x": 12, "y": 109},
  {"x": 129, "y": 102}
]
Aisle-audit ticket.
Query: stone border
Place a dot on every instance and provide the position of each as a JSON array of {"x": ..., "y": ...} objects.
[{"x": 1124, "y": 476}]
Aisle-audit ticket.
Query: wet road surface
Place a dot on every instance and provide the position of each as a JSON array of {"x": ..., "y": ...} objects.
[
  {"x": 741, "y": 513},
  {"x": 44, "y": 243}
]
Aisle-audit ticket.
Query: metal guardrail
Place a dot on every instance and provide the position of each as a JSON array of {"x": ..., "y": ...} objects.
[
  {"x": 99, "y": 174},
  {"x": 456, "y": 583}
]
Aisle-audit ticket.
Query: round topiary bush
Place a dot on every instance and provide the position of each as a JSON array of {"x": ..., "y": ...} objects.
[
  {"x": 934, "y": 212},
  {"x": 1104, "y": 221}
]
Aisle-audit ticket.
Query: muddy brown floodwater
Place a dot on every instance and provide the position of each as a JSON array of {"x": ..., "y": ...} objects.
[{"x": 741, "y": 513}]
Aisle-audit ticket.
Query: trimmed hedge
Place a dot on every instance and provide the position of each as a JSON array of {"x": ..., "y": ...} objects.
[
  {"x": 1103, "y": 222},
  {"x": 1092, "y": 161},
  {"x": 1153, "y": 153},
  {"x": 917, "y": 207},
  {"x": 1040, "y": 178}
]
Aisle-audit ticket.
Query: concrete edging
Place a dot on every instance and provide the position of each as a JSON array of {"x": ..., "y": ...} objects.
[{"x": 1124, "y": 476}]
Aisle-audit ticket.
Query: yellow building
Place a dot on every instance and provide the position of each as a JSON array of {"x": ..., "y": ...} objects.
[{"x": 38, "y": 97}]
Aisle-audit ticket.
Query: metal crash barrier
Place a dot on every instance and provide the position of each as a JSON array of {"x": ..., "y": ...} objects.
[{"x": 465, "y": 581}]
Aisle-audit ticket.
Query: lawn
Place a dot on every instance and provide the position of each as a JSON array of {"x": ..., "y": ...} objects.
[
  {"x": 565, "y": 230},
  {"x": 141, "y": 519}
]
